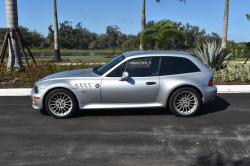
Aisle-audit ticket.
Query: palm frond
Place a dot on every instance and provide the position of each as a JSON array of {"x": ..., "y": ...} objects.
[{"x": 248, "y": 16}]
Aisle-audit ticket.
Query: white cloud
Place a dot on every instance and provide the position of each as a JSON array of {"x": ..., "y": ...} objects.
[
  {"x": 219, "y": 29},
  {"x": 85, "y": 10},
  {"x": 239, "y": 23},
  {"x": 124, "y": 20}
]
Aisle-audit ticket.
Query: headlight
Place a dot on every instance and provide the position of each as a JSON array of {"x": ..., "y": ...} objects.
[{"x": 35, "y": 89}]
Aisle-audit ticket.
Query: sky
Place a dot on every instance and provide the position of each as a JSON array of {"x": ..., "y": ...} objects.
[{"x": 96, "y": 15}]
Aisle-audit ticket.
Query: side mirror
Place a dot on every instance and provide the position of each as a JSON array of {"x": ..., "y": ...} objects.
[{"x": 125, "y": 75}]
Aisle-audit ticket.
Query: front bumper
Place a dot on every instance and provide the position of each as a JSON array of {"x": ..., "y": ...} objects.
[
  {"x": 37, "y": 103},
  {"x": 208, "y": 92}
]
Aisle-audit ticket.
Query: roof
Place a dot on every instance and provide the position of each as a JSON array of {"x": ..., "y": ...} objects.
[{"x": 132, "y": 53}]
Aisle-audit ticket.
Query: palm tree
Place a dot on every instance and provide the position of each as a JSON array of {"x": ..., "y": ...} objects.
[
  {"x": 14, "y": 60},
  {"x": 143, "y": 18},
  {"x": 165, "y": 29},
  {"x": 146, "y": 36},
  {"x": 57, "y": 56},
  {"x": 225, "y": 26}
]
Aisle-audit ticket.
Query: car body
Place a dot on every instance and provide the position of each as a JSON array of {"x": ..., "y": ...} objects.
[{"x": 137, "y": 79}]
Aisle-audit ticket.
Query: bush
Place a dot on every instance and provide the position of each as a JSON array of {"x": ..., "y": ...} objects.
[
  {"x": 233, "y": 71},
  {"x": 42, "y": 69},
  {"x": 212, "y": 55}
]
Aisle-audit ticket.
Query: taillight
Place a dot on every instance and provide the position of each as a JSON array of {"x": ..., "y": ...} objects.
[{"x": 211, "y": 82}]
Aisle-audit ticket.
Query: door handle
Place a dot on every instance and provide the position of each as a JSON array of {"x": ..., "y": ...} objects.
[{"x": 150, "y": 83}]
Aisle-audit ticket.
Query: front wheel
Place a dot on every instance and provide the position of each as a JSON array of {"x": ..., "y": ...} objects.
[
  {"x": 185, "y": 102},
  {"x": 60, "y": 103}
]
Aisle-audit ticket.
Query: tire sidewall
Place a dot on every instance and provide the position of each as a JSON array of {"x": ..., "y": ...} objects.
[
  {"x": 70, "y": 94},
  {"x": 173, "y": 96}
]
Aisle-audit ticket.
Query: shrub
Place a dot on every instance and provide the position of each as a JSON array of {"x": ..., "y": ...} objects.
[
  {"x": 42, "y": 69},
  {"x": 232, "y": 72},
  {"x": 212, "y": 55}
]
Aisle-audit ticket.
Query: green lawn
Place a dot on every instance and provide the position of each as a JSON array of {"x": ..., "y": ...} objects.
[
  {"x": 78, "y": 51},
  {"x": 241, "y": 59}
]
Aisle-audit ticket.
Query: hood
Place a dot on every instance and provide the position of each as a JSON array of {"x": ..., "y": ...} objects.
[{"x": 72, "y": 73}]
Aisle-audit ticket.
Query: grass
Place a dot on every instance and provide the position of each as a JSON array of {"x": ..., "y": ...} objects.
[
  {"x": 241, "y": 59},
  {"x": 76, "y": 51},
  {"x": 72, "y": 59}
]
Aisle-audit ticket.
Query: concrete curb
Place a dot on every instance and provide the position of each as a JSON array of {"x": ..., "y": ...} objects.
[
  {"x": 233, "y": 88},
  {"x": 221, "y": 89},
  {"x": 16, "y": 92}
]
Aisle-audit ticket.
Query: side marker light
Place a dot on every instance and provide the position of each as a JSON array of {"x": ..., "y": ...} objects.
[{"x": 36, "y": 97}]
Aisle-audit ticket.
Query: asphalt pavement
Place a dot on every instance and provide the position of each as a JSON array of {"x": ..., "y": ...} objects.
[{"x": 218, "y": 135}]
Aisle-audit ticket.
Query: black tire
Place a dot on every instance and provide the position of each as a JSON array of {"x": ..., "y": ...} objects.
[
  {"x": 179, "y": 105},
  {"x": 53, "y": 105},
  {"x": 44, "y": 112}
]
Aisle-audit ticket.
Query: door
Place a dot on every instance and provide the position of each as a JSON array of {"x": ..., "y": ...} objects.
[{"x": 141, "y": 86}]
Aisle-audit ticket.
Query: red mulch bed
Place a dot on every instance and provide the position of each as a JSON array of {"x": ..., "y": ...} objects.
[{"x": 16, "y": 85}]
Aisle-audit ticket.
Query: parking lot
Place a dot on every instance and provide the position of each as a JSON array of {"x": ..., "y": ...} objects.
[{"x": 218, "y": 135}]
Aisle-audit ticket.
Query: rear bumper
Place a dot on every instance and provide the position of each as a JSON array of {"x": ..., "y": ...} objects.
[{"x": 208, "y": 92}]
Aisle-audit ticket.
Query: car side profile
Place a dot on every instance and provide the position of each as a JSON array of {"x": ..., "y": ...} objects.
[{"x": 137, "y": 79}]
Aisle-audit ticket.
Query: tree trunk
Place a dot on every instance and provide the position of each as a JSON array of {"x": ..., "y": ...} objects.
[
  {"x": 56, "y": 35},
  {"x": 225, "y": 26},
  {"x": 15, "y": 60},
  {"x": 143, "y": 47},
  {"x": 159, "y": 45},
  {"x": 152, "y": 45},
  {"x": 143, "y": 19}
]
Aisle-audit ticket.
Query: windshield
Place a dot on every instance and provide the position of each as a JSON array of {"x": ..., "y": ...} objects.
[{"x": 109, "y": 65}]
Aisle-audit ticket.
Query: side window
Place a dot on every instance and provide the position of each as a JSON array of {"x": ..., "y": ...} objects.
[
  {"x": 118, "y": 71},
  {"x": 176, "y": 65},
  {"x": 143, "y": 67}
]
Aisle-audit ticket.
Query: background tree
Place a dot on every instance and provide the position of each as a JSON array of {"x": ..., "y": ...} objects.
[
  {"x": 225, "y": 26},
  {"x": 14, "y": 60},
  {"x": 57, "y": 56}
]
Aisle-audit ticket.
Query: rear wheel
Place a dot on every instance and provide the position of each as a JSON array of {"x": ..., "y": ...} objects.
[
  {"x": 60, "y": 103},
  {"x": 185, "y": 102}
]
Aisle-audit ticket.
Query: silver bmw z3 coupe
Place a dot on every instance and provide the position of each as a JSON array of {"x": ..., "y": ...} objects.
[{"x": 137, "y": 79}]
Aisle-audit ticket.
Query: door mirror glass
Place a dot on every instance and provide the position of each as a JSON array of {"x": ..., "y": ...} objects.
[{"x": 125, "y": 75}]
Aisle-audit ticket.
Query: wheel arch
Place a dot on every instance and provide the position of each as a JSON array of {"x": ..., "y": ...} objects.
[
  {"x": 183, "y": 86},
  {"x": 45, "y": 95}
]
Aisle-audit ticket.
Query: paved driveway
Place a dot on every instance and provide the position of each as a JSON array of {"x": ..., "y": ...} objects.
[{"x": 219, "y": 135}]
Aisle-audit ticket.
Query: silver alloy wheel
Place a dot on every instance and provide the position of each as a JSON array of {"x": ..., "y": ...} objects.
[
  {"x": 185, "y": 102},
  {"x": 60, "y": 104}
]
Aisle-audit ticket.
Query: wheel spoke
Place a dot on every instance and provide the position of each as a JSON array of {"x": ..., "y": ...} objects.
[
  {"x": 179, "y": 105},
  {"x": 54, "y": 106}
]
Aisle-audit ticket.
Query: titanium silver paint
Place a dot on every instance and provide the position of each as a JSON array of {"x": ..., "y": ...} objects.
[{"x": 131, "y": 93}]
